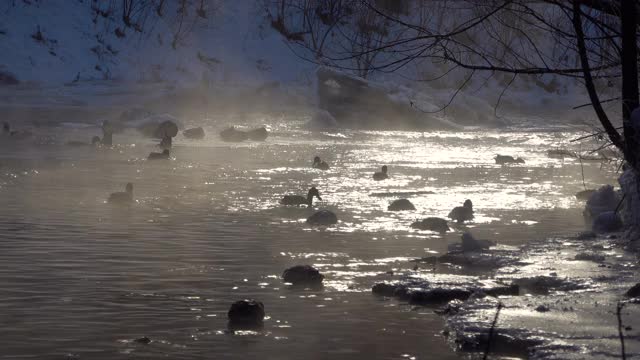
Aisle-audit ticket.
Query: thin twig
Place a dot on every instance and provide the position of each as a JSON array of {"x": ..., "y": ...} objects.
[
  {"x": 601, "y": 102},
  {"x": 620, "y": 203},
  {"x": 620, "y": 334},
  {"x": 582, "y": 170},
  {"x": 493, "y": 326}
]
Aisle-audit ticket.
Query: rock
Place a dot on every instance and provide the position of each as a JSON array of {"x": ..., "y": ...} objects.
[
  {"x": 634, "y": 291},
  {"x": 542, "y": 308},
  {"x": 194, "y": 133},
  {"x": 561, "y": 153},
  {"x": 510, "y": 290},
  {"x": 586, "y": 235},
  {"x": 249, "y": 313},
  {"x": 585, "y": 194},
  {"x": 507, "y": 159},
  {"x": 432, "y": 224},
  {"x": 607, "y": 222},
  {"x": 322, "y": 217},
  {"x": 438, "y": 296},
  {"x": 401, "y": 205},
  {"x": 7, "y": 78},
  {"x": 302, "y": 275},
  {"x": 469, "y": 243},
  {"x": 386, "y": 289},
  {"x": 586, "y": 256},
  {"x": 143, "y": 340},
  {"x": 259, "y": 134},
  {"x": 602, "y": 200},
  {"x": 233, "y": 135}
]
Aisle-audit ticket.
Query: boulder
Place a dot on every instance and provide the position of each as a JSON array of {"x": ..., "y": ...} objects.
[
  {"x": 194, "y": 133},
  {"x": 322, "y": 217},
  {"x": 602, "y": 200},
  {"x": 607, "y": 222},
  {"x": 634, "y": 291},
  {"x": 438, "y": 296},
  {"x": 401, "y": 205},
  {"x": 432, "y": 224},
  {"x": 303, "y": 275},
  {"x": 259, "y": 134},
  {"x": 246, "y": 313},
  {"x": 233, "y": 135}
]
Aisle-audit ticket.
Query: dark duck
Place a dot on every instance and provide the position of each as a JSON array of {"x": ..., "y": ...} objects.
[
  {"x": 319, "y": 164},
  {"x": 381, "y": 175},
  {"x": 301, "y": 200},
  {"x": 462, "y": 213},
  {"x": 125, "y": 197}
]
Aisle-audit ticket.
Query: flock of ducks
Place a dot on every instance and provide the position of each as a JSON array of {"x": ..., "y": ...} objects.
[{"x": 459, "y": 214}]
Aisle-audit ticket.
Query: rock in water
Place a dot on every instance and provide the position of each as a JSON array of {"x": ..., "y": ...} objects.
[
  {"x": 607, "y": 222},
  {"x": 249, "y": 313},
  {"x": 195, "y": 133},
  {"x": 432, "y": 224},
  {"x": 233, "y": 135},
  {"x": 401, "y": 205},
  {"x": 302, "y": 275},
  {"x": 322, "y": 217},
  {"x": 602, "y": 200},
  {"x": 259, "y": 134},
  {"x": 634, "y": 291}
]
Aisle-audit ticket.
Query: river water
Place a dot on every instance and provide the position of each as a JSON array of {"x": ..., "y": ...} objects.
[{"x": 83, "y": 279}]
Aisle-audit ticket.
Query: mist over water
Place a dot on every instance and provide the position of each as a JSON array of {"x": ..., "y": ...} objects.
[{"x": 84, "y": 277}]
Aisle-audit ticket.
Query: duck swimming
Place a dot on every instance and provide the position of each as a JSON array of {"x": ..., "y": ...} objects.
[
  {"x": 319, "y": 164},
  {"x": 462, "y": 213},
  {"x": 381, "y": 175},
  {"x": 164, "y": 155},
  {"x": 301, "y": 200},
  {"x": 122, "y": 197}
]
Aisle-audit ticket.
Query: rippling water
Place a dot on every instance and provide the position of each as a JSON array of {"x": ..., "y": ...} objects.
[{"x": 83, "y": 278}]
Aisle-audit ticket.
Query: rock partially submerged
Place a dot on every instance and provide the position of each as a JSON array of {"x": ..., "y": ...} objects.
[
  {"x": 634, "y": 291},
  {"x": 401, "y": 205},
  {"x": 425, "y": 293},
  {"x": 303, "y": 275},
  {"x": 607, "y": 222},
  {"x": 246, "y": 313},
  {"x": 432, "y": 224},
  {"x": 194, "y": 133},
  {"x": 602, "y": 200},
  {"x": 322, "y": 217},
  {"x": 234, "y": 135}
]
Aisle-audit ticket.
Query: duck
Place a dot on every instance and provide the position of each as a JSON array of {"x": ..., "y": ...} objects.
[
  {"x": 322, "y": 217},
  {"x": 164, "y": 155},
  {"x": 301, "y": 200},
  {"x": 432, "y": 224},
  {"x": 381, "y": 175},
  {"x": 319, "y": 164},
  {"x": 125, "y": 197},
  {"x": 462, "y": 213},
  {"x": 401, "y": 205}
]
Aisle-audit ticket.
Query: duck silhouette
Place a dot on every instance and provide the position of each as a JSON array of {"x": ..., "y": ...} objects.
[
  {"x": 125, "y": 197},
  {"x": 301, "y": 200},
  {"x": 381, "y": 175},
  {"x": 319, "y": 164},
  {"x": 462, "y": 213}
]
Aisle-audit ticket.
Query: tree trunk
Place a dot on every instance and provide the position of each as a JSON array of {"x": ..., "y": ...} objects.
[{"x": 629, "y": 78}]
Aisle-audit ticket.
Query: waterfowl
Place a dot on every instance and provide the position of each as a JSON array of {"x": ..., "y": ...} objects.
[
  {"x": 381, "y": 175},
  {"x": 195, "y": 133},
  {"x": 319, "y": 164},
  {"x": 322, "y": 217},
  {"x": 462, "y": 213},
  {"x": 164, "y": 155},
  {"x": 301, "y": 200},
  {"x": 508, "y": 159},
  {"x": 122, "y": 197},
  {"x": 432, "y": 224},
  {"x": 401, "y": 205}
]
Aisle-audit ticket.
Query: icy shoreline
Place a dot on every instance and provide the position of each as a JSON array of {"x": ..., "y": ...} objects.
[{"x": 559, "y": 298}]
